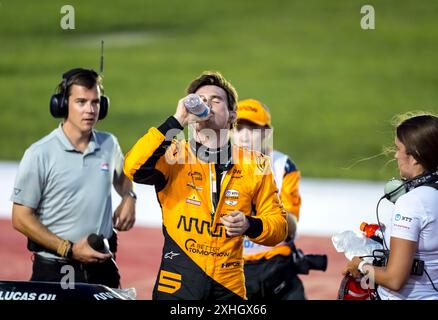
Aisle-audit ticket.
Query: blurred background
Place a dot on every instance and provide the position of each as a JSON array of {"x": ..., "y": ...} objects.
[{"x": 332, "y": 87}]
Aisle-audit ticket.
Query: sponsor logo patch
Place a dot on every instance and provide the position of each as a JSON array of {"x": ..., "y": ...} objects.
[
  {"x": 104, "y": 167},
  {"x": 193, "y": 186},
  {"x": 231, "y": 202},
  {"x": 232, "y": 194},
  {"x": 233, "y": 264},
  {"x": 401, "y": 226},
  {"x": 399, "y": 217},
  {"x": 202, "y": 249},
  {"x": 193, "y": 199},
  {"x": 192, "y": 224},
  {"x": 261, "y": 163},
  {"x": 197, "y": 176},
  {"x": 170, "y": 255},
  {"x": 236, "y": 174}
]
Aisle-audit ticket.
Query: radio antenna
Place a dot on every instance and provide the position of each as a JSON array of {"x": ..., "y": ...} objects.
[{"x": 101, "y": 58}]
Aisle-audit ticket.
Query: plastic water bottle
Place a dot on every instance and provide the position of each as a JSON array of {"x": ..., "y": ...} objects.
[
  {"x": 355, "y": 244},
  {"x": 196, "y": 106}
]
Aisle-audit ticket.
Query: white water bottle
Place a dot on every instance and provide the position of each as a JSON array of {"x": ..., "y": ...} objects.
[{"x": 196, "y": 106}]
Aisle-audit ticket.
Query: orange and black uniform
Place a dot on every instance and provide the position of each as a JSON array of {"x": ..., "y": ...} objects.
[
  {"x": 199, "y": 260},
  {"x": 270, "y": 272}
]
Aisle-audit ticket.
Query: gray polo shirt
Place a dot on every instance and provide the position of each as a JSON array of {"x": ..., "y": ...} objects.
[{"x": 70, "y": 191}]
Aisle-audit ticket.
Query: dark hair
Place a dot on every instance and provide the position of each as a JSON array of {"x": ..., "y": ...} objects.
[
  {"x": 82, "y": 77},
  {"x": 215, "y": 79},
  {"x": 419, "y": 135}
]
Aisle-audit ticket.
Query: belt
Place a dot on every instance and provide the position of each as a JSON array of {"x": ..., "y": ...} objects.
[
  {"x": 35, "y": 247},
  {"x": 52, "y": 260}
]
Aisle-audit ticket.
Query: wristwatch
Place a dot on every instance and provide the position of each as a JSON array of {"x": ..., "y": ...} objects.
[
  {"x": 361, "y": 265},
  {"x": 132, "y": 194}
]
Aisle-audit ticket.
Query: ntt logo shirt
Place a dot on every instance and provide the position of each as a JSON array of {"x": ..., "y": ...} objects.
[
  {"x": 70, "y": 190},
  {"x": 415, "y": 218}
]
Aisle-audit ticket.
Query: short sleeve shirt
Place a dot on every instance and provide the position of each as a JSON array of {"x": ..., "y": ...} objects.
[
  {"x": 415, "y": 218},
  {"x": 70, "y": 190}
]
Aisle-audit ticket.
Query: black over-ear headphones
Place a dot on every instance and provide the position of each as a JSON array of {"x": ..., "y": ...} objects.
[
  {"x": 59, "y": 101},
  {"x": 395, "y": 188}
]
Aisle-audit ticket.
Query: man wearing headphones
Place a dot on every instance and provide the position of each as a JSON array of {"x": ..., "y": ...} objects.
[
  {"x": 207, "y": 189},
  {"x": 62, "y": 191}
]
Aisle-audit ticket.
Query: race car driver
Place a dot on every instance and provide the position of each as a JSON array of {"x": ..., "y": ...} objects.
[{"x": 207, "y": 189}]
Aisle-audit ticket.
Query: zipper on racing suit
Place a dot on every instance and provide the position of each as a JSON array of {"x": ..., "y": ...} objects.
[{"x": 215, "y": 187}]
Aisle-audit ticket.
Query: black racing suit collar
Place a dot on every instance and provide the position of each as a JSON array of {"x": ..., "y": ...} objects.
[{"x": 220, "y": 156}]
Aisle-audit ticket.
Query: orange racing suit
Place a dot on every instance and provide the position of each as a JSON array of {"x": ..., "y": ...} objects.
[
  {"x": 199, "y": 260},
  {"x": 270, "y": 272}
]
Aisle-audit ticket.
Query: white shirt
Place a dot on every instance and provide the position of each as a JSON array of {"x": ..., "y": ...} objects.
[{"x": 415, "y": 218}]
